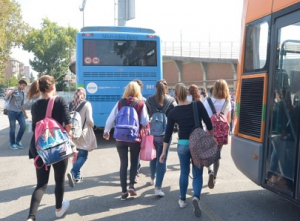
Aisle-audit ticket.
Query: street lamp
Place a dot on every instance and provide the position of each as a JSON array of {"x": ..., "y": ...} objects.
[{"x": 82, "y": 10}]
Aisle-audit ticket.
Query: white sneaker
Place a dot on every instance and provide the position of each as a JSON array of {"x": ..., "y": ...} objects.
[
  {"x": 158, "y": 192},
  {"x": 64, "y": 206},
  {"x": 197, "y": 209},
  {"x": 181, "y": 203},
  {"x": 152, "y": 182}
]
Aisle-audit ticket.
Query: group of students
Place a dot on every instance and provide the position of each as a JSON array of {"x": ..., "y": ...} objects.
[{"x": 180, "y": 112}]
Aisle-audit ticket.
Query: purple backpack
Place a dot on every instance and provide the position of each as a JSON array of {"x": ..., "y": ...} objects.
[
  {"x": 204, "y": 149},
  {"x": 127, "y": 123}
]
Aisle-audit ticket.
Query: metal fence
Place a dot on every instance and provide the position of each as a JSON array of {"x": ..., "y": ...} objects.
[{"x": 207, "y": 49}]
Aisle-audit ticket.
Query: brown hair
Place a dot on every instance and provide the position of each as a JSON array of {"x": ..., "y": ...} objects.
[
  {"x": 132, "y": 89},
  {"x": 220, "y": 90},
  {"x": 140, "y": 83},
  {"x": 160, "y": 91},
  {"x": 39, "y": 86},
  {"x": 193, "y": 90},
  {"x": 180, "y": 92}
]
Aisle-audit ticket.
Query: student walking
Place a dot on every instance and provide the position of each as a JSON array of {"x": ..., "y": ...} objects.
[
  {"x": 159, "y": 104},
  {"x": 220, "y": 94},
  {"x": 183, "y": 115},
  {"x": 16, "y": 112},
  {"x": 131, "y": 97},
  {"x": 46, "y": 87},
  {"x": 87, "y": 141}
]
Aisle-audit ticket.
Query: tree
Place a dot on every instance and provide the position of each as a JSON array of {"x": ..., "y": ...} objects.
[
  {"x": 32, "y": 78},
  {"x": 12, "y": 31},
  {"x": 51, "y": 46}
]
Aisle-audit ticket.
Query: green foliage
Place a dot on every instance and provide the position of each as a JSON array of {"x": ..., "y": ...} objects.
[
  {"x": 32, "y": 79},
  {"x": 51, "y": 46},
  {"x": 12, "y": 31}
]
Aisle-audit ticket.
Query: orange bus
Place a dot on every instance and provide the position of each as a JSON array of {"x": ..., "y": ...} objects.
[{"x": 265, "y": 144}]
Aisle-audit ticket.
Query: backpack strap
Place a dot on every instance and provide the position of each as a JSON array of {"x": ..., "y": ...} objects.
[
  {"x": 212, "y": 107},
  {"x": 50, "y": 106},
  {"x": 70, "y": 106},
  {"x": 224, "y": 106},
  {"x": 195, "y": 112},
  {"x": 80, "y": 106},
  {"x": 134, "y": 103}
]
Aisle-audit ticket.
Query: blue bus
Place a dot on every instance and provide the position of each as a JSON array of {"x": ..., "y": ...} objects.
[{"x": 108, "y": 58}]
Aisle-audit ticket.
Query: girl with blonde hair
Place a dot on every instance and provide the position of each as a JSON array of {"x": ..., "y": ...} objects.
[
  {"x": 131, "y": 94},
  {"x": 183, "y": 115},
  {"x": 220, "y": 94}
]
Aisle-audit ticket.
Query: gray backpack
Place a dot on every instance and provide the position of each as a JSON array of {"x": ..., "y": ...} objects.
[{"x": 76, "y": 121}]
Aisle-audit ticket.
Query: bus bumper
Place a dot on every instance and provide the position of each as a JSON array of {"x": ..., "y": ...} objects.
[{"x": 244, "y": 154}]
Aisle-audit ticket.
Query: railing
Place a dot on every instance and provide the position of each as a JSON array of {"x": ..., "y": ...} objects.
[{"x": 201, "y": 49}]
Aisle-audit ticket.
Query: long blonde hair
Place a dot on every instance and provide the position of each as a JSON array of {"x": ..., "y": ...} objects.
[
  {"x": 132, "y": 90},
  {"x": 39, "y": 86},
  {"x": 180, "y": 91},
  {"x": 221, "y": 90}
]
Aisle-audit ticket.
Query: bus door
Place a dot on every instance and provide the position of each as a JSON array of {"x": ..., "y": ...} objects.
[{"x": 282, "y": 166}]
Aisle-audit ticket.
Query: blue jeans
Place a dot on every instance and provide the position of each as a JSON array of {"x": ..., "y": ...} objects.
[
  {"x": 81, "y": 158},
  {"x": 13, "y": 117},
  {"x": 157, "y": 167},
  {"x": 184, "y": 159}
]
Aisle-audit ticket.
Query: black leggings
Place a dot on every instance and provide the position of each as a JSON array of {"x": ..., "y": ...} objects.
[
  {"x": 42, "y": 176},
  {"x": 123, "y": 154}
]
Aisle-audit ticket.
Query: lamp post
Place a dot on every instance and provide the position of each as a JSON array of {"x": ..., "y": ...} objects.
[{"x": 82, "y": 10}]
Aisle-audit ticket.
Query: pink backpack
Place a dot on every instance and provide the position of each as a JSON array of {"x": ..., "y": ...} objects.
[
  {"x": 51, "y": 140},
  {"x": 204, "y": 149},
  {"x": 219, "y": 122}
]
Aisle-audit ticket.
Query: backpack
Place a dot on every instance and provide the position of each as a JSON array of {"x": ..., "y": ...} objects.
[
  {"x": 203, "y": 148},
  {"x": 7, "y": 100},
  {"x": 127, "y": 122},
  {"x": 219, "y": 123},
  {"x": 51, "y": 140},
  {"x": 77, "y": 128},
  {"x": 158, "y": 121}
]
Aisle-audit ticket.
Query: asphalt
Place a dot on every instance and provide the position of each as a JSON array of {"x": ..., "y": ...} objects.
[{"x": 98, "y": 197}]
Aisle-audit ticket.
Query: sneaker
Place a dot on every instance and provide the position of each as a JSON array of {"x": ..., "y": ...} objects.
[
  {"x": 71, "y": 180},
  {"x": 80, "y": 180},
  {"x": 197, "y": 209},
  {"x": 14, "y": 147},
  {"x": 211, "y": 182},
  {"x": 64, "y": 206},
  {"x": 158, "y": 192},
  {"x": 136, "y": 179},
  {"x": 19, "y": 145},
  {"x": 132, "y": 192},
  {"x": 124, "y": 196},
  {"x": 181, "y": 203}
]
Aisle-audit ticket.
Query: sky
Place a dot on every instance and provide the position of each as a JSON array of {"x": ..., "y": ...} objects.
[{"x": 188, "y": 20}]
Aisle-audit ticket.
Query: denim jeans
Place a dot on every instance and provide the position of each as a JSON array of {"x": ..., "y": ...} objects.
[
  {"x": 158, "y": 169},
  {"x": 184, "y": 159},
  {"x": 13, "y": 117},
  {"x": 81, "y": 158}
]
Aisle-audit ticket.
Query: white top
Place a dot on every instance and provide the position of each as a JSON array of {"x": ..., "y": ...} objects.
[
  {"x": 218, "y": 103},
  {"x": 110, "y": 122}
]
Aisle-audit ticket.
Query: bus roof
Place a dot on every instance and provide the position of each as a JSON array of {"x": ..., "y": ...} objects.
[{"x": 117, "y": 29}]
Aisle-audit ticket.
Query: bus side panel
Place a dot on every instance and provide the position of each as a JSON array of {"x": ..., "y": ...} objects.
[
  {"x": 279, "y": 4},
  {"x": 257, "y": 9},
  {"x": 242, "y": 152}
]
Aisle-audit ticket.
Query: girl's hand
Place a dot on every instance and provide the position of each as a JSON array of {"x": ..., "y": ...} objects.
[
  {"x": 106, "y": 136},
  {"x": 162, "y": 157}
]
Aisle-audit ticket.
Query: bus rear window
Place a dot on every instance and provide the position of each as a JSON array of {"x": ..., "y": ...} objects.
[
  {"x": 256, "y": 46},
  {"x": 104, "y": 52}
]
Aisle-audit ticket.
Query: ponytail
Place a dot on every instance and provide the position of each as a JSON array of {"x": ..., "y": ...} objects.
[
  {"x": 160, "y": 91},
  {"x": 39, "y": 86}
]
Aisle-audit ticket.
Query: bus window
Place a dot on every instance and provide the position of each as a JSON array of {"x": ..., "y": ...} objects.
[
  {"x": 119, "y": 52},
  {"x": 256, "y": 45}
]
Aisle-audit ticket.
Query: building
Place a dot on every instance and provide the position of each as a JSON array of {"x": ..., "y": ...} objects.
[
  {"x": 27, "y": 71},
  {"x": 14, "y": 68}
]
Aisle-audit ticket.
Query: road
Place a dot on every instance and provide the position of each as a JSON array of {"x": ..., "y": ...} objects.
[{"x": 98, "y": 197}]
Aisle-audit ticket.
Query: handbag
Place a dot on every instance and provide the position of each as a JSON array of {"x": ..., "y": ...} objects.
[
  {"x": 148, "y": 151},
  {"x": 203, "y": 147}
]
